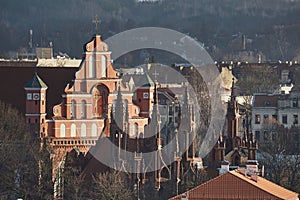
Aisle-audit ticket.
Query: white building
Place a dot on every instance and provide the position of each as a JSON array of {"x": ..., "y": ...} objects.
[{"x": 269, "y": 109}]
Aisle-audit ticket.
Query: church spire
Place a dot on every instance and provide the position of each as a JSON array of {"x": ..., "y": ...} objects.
[
  {"x": 185, "y": 112},
  {"x": 232, "y": 95},
  {"x": 185, "y": 106},
  {"x": 155, "y": 95}
]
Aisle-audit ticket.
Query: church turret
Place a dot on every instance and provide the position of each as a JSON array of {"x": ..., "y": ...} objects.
[
  {"x": 119, "y": 111},
  {"x": 188, "y": 134},
  {"x": 36, "y": 105},
  {"x": 144, "y": 91},
  {"x": 218, "y": 152}
]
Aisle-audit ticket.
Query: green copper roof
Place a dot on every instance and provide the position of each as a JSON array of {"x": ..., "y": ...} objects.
[{"x": 36, "y": 82}]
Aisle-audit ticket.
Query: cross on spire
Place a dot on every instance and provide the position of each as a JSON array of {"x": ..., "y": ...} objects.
[
  {"x": 96, "y": 21},
  {"x": 155, "y": 74}
]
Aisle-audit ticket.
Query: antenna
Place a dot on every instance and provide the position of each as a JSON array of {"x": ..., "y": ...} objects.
[{"x": 30, "y": 39}]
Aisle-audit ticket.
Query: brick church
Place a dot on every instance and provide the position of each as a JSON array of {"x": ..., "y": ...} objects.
[{"x": 98, "y": 105}]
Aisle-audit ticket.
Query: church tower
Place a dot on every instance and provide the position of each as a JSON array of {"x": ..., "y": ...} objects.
[
  {"x": 36, "y": 105},
  {"x": 232, "y": 121}
]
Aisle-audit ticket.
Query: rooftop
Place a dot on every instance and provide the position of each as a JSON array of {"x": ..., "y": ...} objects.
[{"x": 236, "y": 185}]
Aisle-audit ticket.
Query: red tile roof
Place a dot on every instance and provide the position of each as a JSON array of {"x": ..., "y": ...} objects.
[{"x": 235, "y": 185}]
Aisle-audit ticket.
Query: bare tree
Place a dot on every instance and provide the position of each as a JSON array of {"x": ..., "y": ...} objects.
[
  {"x": 281, "y": 155},
  {"x": 18, "y": 156},
  {"x": 75, "y": 185},
  {"x": 111, "y": 186}
]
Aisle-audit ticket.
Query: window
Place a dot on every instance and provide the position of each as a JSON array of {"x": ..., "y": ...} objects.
[
  {"x": 103, "y": 66},
  {"x": 295, "y": 103},
  {"x": 266, "y": 118},
  {"x": 73, "y": 109},
  {"x": 94, "y": 130},
  {"x": 285, "y": 76},
  {"x": 257, "y": 119},
  {"x": 83, "y": 130},
  {"x": 135, "y": 129},
  {"x": 73, "y": 130},
  {"x": 62, "y": 130},
  {"x": 295, "y": 121},
  {"x": 83, "y": 109},
  {"x": 29, "y": 96},
  {"x": 176, "y": 119},
  {"x": 170, "y": 110},
  {"x": 92, "y": 70},
  {"x": 284, "y": 119},
  {"x": 257, "y": 135}
]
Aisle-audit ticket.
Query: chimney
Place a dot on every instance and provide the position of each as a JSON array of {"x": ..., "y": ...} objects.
[
  {"x": 184, "y": 196},
  {"x": 259, "y": 58},
  {"x": 251, "y": 167},
  {"x": 224, "y": 167}
]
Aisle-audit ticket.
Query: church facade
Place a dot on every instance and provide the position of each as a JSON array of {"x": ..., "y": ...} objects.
[{"x": 97, "y": 104}]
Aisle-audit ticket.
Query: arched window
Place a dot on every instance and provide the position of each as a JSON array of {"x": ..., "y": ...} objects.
[
  {"x": 62, "y": 130},
  {"x": 135, "y": 130},
  {"x": 73, "y": 130},
  {"x": 92, "y": 67},
  {"x": 103, "y": 66},
  {"x": 83, "y": 109},
  {"x": 100, "y": 101},
  {"x": 73, "y": 109},
  {"x": 94, "y": 130},
  {"x": 83, "y": 130}
]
